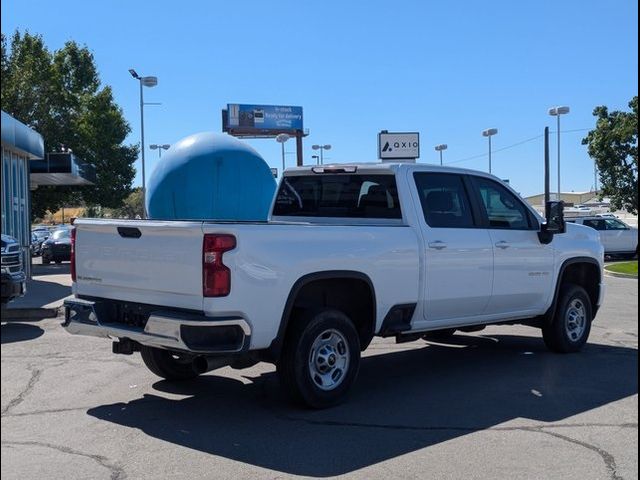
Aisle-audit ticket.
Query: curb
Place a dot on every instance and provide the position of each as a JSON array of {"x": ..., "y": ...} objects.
[
  {"x": 32, "y": 314},
  {"x": 619, "y": 275}
]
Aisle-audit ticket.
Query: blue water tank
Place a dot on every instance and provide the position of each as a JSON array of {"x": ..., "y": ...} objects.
[{"x": 210, "y": 176}]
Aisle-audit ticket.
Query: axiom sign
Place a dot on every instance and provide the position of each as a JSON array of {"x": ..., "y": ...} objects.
[{"x": 398, "y": 145}]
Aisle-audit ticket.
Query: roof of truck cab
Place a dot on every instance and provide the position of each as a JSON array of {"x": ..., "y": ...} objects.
[{"x": 373, "y": 167}]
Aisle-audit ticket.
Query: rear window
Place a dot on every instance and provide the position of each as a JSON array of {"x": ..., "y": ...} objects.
[{"x": 344, "y": 196}]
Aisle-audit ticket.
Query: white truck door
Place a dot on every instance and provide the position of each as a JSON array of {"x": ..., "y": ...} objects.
[
  {"x": 620, "y": 235},
  {"x": 458, "y": 267},
  {"x": 608, "y": 242},
  {"x": 522, "y": 267}
]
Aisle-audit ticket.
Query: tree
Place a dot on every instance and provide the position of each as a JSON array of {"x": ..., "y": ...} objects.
[
  {"x": 59, "y": 94},
  {"x": 613, "y": 144},
  {"x": 132, "y": 207}
]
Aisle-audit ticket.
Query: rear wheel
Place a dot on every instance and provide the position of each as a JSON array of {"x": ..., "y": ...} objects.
[
  {"x": 167, "y": 364},
  {"x": 320, "y": 358},
  {"x": 569, "y": 330}
]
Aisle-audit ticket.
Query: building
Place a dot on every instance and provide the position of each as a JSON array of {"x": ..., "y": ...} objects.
[
  {"x": 25, "y": 166},
  {"x": 20, "y": 146},
  {"x": 570, "y": 198}
]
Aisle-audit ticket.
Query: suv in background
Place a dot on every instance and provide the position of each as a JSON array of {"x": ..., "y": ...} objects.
[
  {"x": 14, "y": 280},
  {"x": 618, "y": 238},
  {"x": 57, "y": 248}
]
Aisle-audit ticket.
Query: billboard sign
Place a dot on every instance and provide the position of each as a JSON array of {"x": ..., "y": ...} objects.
[
  {"x": 263, "y": 118},
  {"x": 398, "y": 145}
]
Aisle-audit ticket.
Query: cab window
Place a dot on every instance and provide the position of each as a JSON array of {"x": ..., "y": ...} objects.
[
  {"x": 503, "y": 208},
  {"x": 615, "y": 224},
  {"x": 595, "y": 224}
]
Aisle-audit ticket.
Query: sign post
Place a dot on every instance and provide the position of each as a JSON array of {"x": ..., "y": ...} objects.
[
  {"x": 398, "y": 146},
  {"x": 265, "y": 121}
]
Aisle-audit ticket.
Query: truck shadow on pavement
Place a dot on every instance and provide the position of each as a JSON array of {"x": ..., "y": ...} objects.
[
  {"x": 19, "y": 332},
  {"x": 401, "y": 402}
]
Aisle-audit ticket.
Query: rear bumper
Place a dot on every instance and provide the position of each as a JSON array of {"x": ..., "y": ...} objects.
[{"x": 172, "y": 330}]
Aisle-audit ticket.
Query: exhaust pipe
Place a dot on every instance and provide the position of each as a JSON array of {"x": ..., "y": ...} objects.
[{"x": 204, "y": 364}]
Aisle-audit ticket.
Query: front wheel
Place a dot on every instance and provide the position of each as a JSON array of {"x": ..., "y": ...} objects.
[
  {"x": 320, "y": 359},
  {"x": 569, "y": 330},
  {"x": 168, "y": 365}
]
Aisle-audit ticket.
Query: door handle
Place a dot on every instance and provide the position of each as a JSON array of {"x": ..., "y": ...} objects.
[
  {"x": 502, "y": 244},
  {"x": 438, "y": 245}
]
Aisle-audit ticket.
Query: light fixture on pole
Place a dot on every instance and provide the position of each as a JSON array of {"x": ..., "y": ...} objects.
[
  {"x": 489, "y": 132},
  {"x": 557, "y": 112},
  {"x": 440, "y": 148},
  {"x": 281, "y": 139},
  {"x": 144, "y": 82},
  {"x": 157, "y": 146},
  {"x": 322, "y": 148}
]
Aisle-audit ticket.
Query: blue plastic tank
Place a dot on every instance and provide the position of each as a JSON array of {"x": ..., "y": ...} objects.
[{"x": 210, "y": 176}]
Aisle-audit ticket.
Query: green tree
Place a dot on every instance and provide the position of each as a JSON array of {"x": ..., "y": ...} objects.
[
  {"x": 59, "y": 94},
  {"x": 613, "y": 144},
  {"x": 132, "y": 207}
]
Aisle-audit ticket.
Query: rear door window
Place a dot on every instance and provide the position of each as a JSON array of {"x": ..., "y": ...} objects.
[
  {"x": 338, "y": 195},
  {"x": 444, "y": 199},
  {"x": 595, "y": 224}
]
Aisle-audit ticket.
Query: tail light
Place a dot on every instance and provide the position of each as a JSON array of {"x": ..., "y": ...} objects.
[
  {"x": 73, "y": 254},
  {"x": 216, "y": 276}
]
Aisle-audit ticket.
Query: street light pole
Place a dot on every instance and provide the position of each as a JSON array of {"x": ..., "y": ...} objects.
[
  {"x": 440, "y": 148},
  {"x": 322, "y": 148},
  {"x": 144, "y": 82},
  {"x": 556, "y": 112},
  {"x": 159, "y": 147},
  {"x": 490, "y": 132},
  {"x": 281, "y": 139}
]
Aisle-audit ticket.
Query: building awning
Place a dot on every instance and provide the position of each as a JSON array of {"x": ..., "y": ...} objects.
[
  {"x": 62, "y": 169},
  {"x": 21, "y": 139}
]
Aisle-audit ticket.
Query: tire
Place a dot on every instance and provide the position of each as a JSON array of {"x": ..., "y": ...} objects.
[
  {"x": 570, "y": 327},
  {"x": 443, "y": 334},
  {"x": 167, "y": 364},
  {"x": 320, "y": 358},
  {"x": 46, "y": 260},
  {"x": 58, "y": 262}
]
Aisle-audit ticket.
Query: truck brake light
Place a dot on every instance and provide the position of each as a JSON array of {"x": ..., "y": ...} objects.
[
  {"x": 216, "y": 276},
  {"x": 73, "y": 255}
]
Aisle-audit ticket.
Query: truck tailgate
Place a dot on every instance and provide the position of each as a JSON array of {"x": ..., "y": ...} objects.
[{"x": 143, "y": 261}]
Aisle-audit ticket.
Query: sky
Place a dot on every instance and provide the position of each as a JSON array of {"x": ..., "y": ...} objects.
[{"x": 447, "y": 69}]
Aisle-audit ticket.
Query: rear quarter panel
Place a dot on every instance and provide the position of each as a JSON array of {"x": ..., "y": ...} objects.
[{"x": 269, "y": 259}]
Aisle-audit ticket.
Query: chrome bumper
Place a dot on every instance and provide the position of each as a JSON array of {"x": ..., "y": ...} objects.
[{"x": 163, "y": 329}]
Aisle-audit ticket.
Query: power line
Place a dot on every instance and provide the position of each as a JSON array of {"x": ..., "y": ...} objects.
[{"x": 517, "y": 144}]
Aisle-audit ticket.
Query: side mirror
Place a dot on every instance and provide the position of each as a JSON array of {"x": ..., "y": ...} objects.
[
  {"x": 554, "y": 213},
  {"x": 555, "y": 217}
]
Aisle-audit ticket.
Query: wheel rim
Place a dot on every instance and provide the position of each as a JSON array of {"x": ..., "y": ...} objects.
[
  {"x": 576, "y": 320},
  {"x": 329, "y": 359}
]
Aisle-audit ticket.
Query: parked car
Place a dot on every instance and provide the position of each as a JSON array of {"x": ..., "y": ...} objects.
[
  {"x": 57, "y": 248},
  {"x": 14, "y": 280},
  {"x": 38, "y": 237},
  {"x": 607, "y": 215},
  {"x": 618, "y": 238},
  {"x": 349, "y": 252}
]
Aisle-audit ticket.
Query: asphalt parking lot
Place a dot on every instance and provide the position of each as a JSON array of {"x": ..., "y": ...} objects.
[{"x": 494, "y": 404}]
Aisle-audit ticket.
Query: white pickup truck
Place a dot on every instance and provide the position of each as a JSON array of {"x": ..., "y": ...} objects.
[{"x": 349, "y": 252}]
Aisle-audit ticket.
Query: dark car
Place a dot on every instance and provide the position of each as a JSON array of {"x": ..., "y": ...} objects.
[
  {"x": 57, "y": 248},
  {"x": 14, "y": 280},
  {"x": 40, "y": 234}
]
